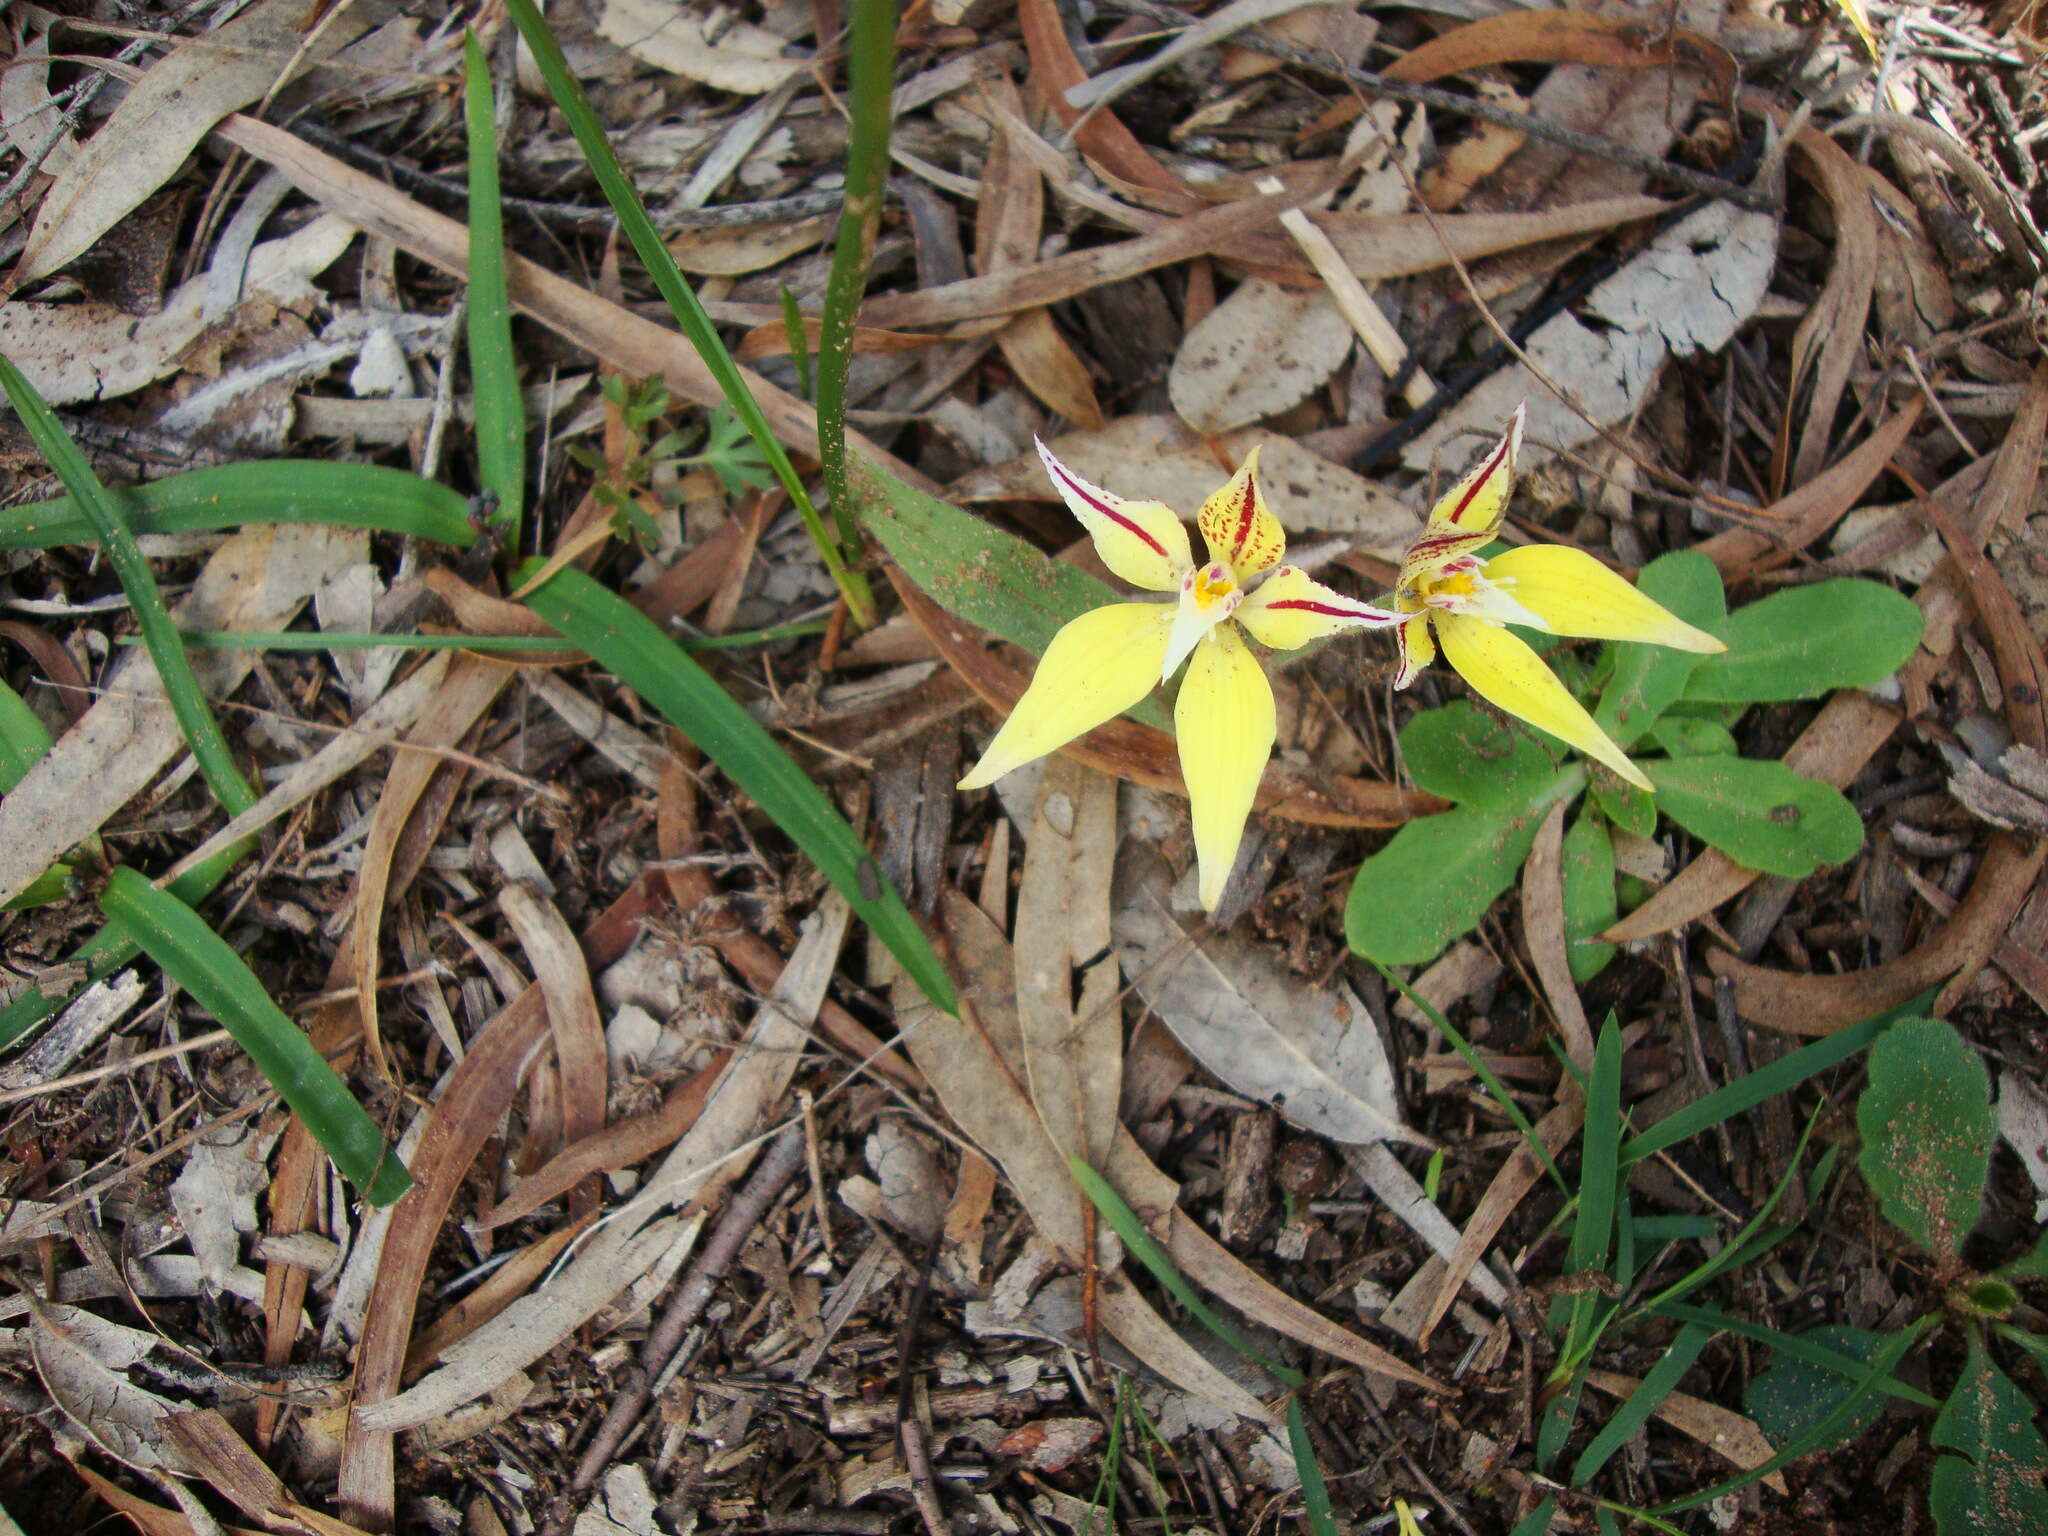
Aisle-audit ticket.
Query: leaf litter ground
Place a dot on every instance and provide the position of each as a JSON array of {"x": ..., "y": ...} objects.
[{"x": 578, "y": 975}]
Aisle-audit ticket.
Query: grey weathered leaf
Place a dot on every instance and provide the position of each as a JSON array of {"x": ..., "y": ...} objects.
[{"x": 1313, "y": 1054}]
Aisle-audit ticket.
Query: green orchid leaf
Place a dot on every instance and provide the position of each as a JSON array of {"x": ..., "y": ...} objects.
[
  {"x": 1794, "y": 1395},
  {"x": 1761, "y": 814},
  {"x": 976, "y": 571},
  {"x": 1683, "y": 737},
  {"x": 1470, "y": 757},
  {"x": 1434, "y": 881},
  {"x": 1631, "y": 810},
  {"x": 1927, "y": 1128},
  {"x": 1805, "y": 642},
  {"x": 1646, "y": 680},
  {"x": 1993, "y": 1488},
  {"x": 1590, "y": 904}
]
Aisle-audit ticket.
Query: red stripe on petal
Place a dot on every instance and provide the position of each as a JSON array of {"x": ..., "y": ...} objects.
[
  {"x": 1336, "y": 610},
  {"x": 1465, "y": 501},
  {"x": 1096, "y": 503},
  {"x": 1247, "y": 512}
]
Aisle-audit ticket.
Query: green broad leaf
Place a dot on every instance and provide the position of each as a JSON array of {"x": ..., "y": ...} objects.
[
  {"x": 629, "y": 645},
  {"x": 976, "y": 571},
  {"x": 1927, "y": 1127},
  {"x": 1794, "y": 1395},
  {"x": 1993, "y": 1487},
  {"x": 1590, "y": 905},
  {"x": 1438, "y": 876},
  {"x": 1761, "y": 814},
  {"x": 200, "y": 961},
  {"x": 1648, "y": 679},
  {"x": 1808, "y": 641},
  {"x": 1470, "y": 757},
  {"x": 1681, "y": 736},
  {"x": 1631, "y": 810},
  {"x": 372, "y": 496}
]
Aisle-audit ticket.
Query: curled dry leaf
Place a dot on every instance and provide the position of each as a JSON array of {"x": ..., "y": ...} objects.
[
  {"x": 1312, "y": 1053},
  {"x": 1259, "y": 352}
]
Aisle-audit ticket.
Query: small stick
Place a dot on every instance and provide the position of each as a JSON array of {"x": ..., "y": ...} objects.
[
  {"x": 778, "y": 1165},
  {"x": 1358, "y": 306}
]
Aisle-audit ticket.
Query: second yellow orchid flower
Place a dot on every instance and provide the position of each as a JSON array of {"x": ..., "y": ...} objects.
[
  {"x": 1468, "y": 602},
  {"x": 1109, "y": 658}
]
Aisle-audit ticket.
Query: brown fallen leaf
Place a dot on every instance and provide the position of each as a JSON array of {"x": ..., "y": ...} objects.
[
  {"x": 1261, "y": 351},
  {"x": 1721, "y": 1430},
  {"x": 162, "y": 119}
]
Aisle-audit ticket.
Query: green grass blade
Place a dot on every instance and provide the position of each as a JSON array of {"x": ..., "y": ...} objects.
[
  {"x": 1823, "y": 1432},
  {"x": 23, "y": 738},
  {"x": 1767, "y": 1082},
  {"x": 200, "y": 961},
  {"x": 1537, "y": 1522},
  {"x": 1793, "y": 1347},
  {"x": 1315, "y": 1493},
  {"x": 108, "y": 950},
  {"x": 871, "y": 61},
  {"x": 1484, "y": 1073},
  {"x": 493, "y": 368},
  {"x": 181, "y": 689},
  {"x": 1600, "y": 1165},
  {"x": 634, "y": 650},
  {"x": 681, "y": 297},
  {"x": 372, "y": 496},
  {"x": 1138, "y": 1243},
  {"x": 799, "y": 344},
  {"x": 1634, "y": 1410}
]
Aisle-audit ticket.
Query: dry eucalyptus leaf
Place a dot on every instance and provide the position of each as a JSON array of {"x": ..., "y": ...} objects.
[
  {"x": 104, "y": 1405},
  {"x": 740, "y": 57},
  {"x": 1261, "y": 350},
  {"x": 1689, "y": 290},
  {"x": 734, "y": 252},
  {"x": 94, "y": 351},
  {"x": 160, "y": 121},
  {"x": 1314, "y": 1054}
]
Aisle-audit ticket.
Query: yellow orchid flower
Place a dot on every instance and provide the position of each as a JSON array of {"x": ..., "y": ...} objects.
[
  {"x": 1105, "y": 661},
  {"x": 1406, "y": 1518},
  {"x": 1469, "y": 601}
]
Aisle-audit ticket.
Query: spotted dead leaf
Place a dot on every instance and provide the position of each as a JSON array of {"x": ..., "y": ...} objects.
[
  {"x": 1261, "y": 350},
  {"x": 76, "y": 1363}
]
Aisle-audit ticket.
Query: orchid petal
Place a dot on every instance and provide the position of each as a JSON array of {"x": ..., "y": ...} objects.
[
  {"x": 1477, "y": 503},
  {"x": 1465, "y": 520},
  {"x": 1289, "y": 610},
  {"x": 1225, "y": 720},
  {"x": 1574, "y": 594},
  {"x": 1144, "y": 542},
  {"x": 1240, "y": 526},
  {"x": 1502, "y": 669},
  {"x": 1097, "y": 667},
  {"x": 1417, "y": 649}
]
